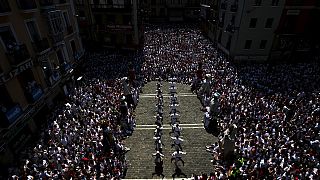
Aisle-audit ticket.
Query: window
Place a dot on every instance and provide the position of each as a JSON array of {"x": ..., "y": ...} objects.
[
  {"x": 7, "y": 37},
  {"x": 248, "y": 44},
  {"x": 275, "y": 3},
  {"x": 126, "y": 19},
  {"x": 5, "y": 99},
  {"x": 66, "y": 19},
  {"x": 257, "y": 2},
  {"x": 162, "y": 11},
  {"x": 229, "y": 42},
  {"x": 269, "y": 23},
  {"x": 56, "y": 22},
  {"x": 263, "y": 44},
  {"x": 129, "y": 39},
  {"x": 33, "y": 31},
  {"x": 253, "y": 22},
  {"x": 4, "y": 6},
  {"x": 73, "y": 47},
  {"x": 111, "y": 19},
  {"x": 60, "y": 56},
  {"x": 233, "y": 19}
]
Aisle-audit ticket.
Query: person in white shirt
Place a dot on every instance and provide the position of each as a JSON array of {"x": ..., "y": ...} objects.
[
  {"x": 176, "y": 130},
  {"x": 173, "y": 99},
  {"x": 159, "y": 120},
  {"x": 177, "y": 156},
  {"x": 158, "y": 132},
  {"x": 158, "y": 145},
  {"x": 173, "y": 107},
  {"x": 177, "y": 143},
  {"x": 174, "y": 118}
]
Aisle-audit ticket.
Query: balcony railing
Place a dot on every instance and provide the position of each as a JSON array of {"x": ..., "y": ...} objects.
[
  {"x": 230, "y": 28},
  {"x": 233, "y": 8},
  {"x": 223, "y": 6},
  {"x": 12, "y": 113},
  {"x": 54, "y": 78},
  {"x": 34, "y": 94},
  {"x": 78, "y": 55},
  {"x": 65, "y": 67},
  {"x": 56, "y": 38},
  {"x": 4, "y": 6},
  {"x": 18, "y": 54},
  {"x": 41, "y": 45},
  {"x": 46, "y": 2},
  {"x": 27, "y": 4}
]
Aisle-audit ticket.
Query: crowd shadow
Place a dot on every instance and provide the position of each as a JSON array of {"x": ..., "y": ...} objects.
[{"x": 178, "y": 173}]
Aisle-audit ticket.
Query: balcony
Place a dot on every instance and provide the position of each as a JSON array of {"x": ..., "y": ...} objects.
[
  {"x": 54, "y": 78},
  {"x": 234, "y": 8},
  {"x": 224, "y": 6},
  {"x": 57, "y": 38},
  {"x": 27, "y": 4},
  {"x": 77, "y": 56},
  {"x": 69, "y": 29},
  {"x": 18, "y": 54},
  {"x": 4, "y": 7},
  {"x": 34, "y": 93},
  {"x": 41, "y": 46},
  {"x": 11, "y": 114},
  {"x": 44, "y": 3},
  {"x": 65, "y": 67}
]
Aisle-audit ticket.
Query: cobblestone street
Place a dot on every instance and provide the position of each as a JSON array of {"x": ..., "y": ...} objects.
[{"x": 141, "y": 161}]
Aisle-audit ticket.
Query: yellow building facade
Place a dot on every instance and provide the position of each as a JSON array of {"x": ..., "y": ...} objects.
[{"x": 40, "y": 47}]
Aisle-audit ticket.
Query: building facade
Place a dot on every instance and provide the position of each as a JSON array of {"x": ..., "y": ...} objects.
[
  {"x": 246, "y": 28},
  {"x": 39, "y": 49},
  {"x": 171, "y": 10},
  {"x": 297, "y": 35},
  {"x": 111, "y": 23}
]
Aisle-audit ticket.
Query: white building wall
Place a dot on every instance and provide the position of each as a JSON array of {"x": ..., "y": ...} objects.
[{"x": 246, "y": 11}]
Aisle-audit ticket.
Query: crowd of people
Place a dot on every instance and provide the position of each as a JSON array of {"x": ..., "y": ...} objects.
[
  {"x": 85, "y": 136},
  {"x": 269, "y": 112}
]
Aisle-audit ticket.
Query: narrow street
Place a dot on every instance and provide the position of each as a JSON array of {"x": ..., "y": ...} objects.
[{"x": 141, "y": 161}]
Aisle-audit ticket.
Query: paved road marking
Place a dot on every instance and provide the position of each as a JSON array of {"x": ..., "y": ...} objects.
[
  {"x": 166, "y": 94},
  {"x": 162, "y": 179},
  {"x": 167, "y": 128},
  {"x": 153, "y": 125},
  {"x": 183, "y": 95}
]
